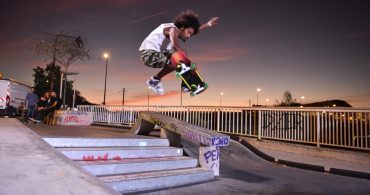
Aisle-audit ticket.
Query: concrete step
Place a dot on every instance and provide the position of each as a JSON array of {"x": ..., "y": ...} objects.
[
  {"x": 156, "y": 180},
  {"x": 105, "y": 142},
  {"x": 124, "y": 166},
  {"x": 117, "y": 153}
]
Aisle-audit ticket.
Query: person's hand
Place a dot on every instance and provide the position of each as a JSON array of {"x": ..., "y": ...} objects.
[{"x": 213, "y": 21}]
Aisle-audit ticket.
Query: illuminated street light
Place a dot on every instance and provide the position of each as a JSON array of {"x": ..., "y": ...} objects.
[
  {"x": 267, "y": 101},
  {"x": 302, "y": 98},
  {"x": 221, "y": 94},
  {"x": 106, "y": 56},
  {"x": 258, "y": 90}
]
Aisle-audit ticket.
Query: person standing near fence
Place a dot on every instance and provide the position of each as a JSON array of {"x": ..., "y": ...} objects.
[{"x": 31, "y": 102}]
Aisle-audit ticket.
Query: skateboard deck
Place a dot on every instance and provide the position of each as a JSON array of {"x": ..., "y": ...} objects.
[{"x": 187, "y": 71}]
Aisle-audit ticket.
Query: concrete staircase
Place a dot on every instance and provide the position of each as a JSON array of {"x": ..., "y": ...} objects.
[{"x": 132, "y": 165}]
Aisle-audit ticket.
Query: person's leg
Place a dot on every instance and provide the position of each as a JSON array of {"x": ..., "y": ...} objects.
[
  {"x": 29, "y": 111},
  {"x": 165, "y": 70},
  {"x": 32, "y": 111},
  {"x": 155, "y": 59},
  {"x": 41, "y": 114}
]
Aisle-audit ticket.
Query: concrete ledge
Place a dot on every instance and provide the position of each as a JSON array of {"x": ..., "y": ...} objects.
[
  {"x": 209, "y": 142},
  {"x": 302, "y": 165},
  {"x": 350, "y": 173},
  {"x": 29, "y": 165},
  {"x": 66, "y": 117},
  {"x": 257, "y": 152}
]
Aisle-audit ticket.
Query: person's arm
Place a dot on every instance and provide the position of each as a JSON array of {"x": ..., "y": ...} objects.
[
  {"x": 212, "y": 22},
  {"x": 174, "y": 37}
]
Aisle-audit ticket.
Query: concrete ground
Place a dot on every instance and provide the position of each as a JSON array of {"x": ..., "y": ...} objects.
[
  {"x": 242, "y": 172},
  {"x": 28, "y": 165}
]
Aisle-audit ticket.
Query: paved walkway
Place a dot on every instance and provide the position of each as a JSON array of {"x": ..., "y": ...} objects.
[{"x": 326, "y": 157}]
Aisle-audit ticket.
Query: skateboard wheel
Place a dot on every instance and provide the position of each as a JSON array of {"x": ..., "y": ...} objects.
[
  {"x": 193, "y": 87},
  {"x": 205, "y": 85},
  {"x": 177, "y": 75},
  {"x": 193, "y": 66},
  {"x": 192, "y": 94}
]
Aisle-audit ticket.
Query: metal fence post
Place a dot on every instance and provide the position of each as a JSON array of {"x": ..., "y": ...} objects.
[
  {"x": 259, "y": 124},
  {"x": 318, "y": 129},
  {"x": 218, "y": 120}
]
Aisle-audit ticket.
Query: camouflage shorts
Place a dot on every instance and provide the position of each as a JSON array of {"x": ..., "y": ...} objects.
[{"x": 155, "y": 59}]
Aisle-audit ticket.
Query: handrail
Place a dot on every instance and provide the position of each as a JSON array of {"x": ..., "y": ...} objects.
[{"x": 338, "y": 127}]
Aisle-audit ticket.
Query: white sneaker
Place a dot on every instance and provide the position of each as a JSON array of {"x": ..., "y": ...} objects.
[
  {"x": 185, "y": 89},
  {"x": 155, "y": 85}
]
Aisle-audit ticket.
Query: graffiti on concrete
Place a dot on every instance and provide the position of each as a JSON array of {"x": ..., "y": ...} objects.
[
  {"x": 101, "y": 157},
  {"x": 212, "y": 157},
  {"x": 74, "y": 118},
  {"x": 220, "y": 141}
]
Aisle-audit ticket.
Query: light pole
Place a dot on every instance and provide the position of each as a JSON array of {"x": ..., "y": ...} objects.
[
  {"x": 106, "y": 56},
  {"x": 302, "y": 98},
  {"x": 148, "y": 97},
  {"x": 221, "y": 94},
  {"x": 180, "y": 96},
  {"x": 258, "y": 90},
  {"x": 65, "y": 86},
  {"x": 267, "y": 101},
  {"x": 79, "y": 43},
  {"x": 123, "y": 96}
]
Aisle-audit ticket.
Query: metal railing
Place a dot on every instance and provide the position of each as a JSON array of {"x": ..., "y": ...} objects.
[{"x": 337, "y": 127}]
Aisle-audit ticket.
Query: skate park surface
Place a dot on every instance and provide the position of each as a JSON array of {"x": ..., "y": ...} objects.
[{"x": 30, "y": 167}]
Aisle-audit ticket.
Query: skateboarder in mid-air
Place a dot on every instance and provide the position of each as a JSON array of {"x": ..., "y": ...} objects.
[{"x": 158, "y": 46}]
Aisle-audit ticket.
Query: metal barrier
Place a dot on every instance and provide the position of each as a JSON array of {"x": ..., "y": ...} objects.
[{"x": 337, "y": 127}]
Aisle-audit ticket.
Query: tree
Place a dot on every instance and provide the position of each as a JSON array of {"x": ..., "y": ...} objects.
[
  {"x": 42, "y": 84},
  {"x": 287, "y": 100},
  {"x": 64, "y": 49}
]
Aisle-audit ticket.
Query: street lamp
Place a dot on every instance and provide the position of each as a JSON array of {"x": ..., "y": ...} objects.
[
  {"x": 79, "y": 43},
  {"x": 106, "y": 56},
  {"x": 180, "y": 95},
  {"x": 123, "y": 96},
  {"x": 65, "y": 85},
  {"x": 221, "y": 94},
  {"x": 267, "y": 101},
  {"x": 258, "y": 90},
  {"x": 302, "y": 98},
  {"x": 148, "y": 97}
]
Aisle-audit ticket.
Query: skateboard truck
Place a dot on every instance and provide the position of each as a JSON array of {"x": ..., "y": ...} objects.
[{"x": 184, "y": 68}]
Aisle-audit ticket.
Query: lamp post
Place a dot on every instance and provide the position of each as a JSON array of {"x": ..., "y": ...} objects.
[
  {"x": 79, "y": 43},
  {"x": 221, "y": 94},
  {"x": 65, "y": 86},
  {"x": 302, "y": 98},
  {"x": 258, "y": 90},
  {"x": 267, "y": 101},
  {"x": 148, "y": 97},
  {"x": 106, "y": 56},
  {"x": 123, "y": 96}
]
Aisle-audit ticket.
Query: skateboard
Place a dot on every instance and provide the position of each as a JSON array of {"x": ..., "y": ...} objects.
[{"x": 187, "y": 71}]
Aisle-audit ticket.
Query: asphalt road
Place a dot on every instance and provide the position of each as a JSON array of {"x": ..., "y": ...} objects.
[{"x": 242, "y": 172}]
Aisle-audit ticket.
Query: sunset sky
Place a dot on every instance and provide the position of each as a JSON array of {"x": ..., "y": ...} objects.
[{"x": 313, "y": 48}]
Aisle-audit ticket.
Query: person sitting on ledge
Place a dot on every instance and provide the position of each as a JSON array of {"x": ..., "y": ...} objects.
[{"x": 54, "y": 104}]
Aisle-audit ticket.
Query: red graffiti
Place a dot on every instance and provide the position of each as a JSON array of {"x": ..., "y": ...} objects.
[
  {"x": 69, "y": 119},
  {"x": 92, "y": 158},
  {"x": 105, "y": 157},
  {"x": 117, "y": 158},
  {"x": 88, "y": 158}
]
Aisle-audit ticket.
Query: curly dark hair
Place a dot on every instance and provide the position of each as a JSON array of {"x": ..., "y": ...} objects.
[{"x": 187, "y": 19}]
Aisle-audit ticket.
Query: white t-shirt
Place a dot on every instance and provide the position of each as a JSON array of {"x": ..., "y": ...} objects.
[{"x": 157, "y": 41}]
